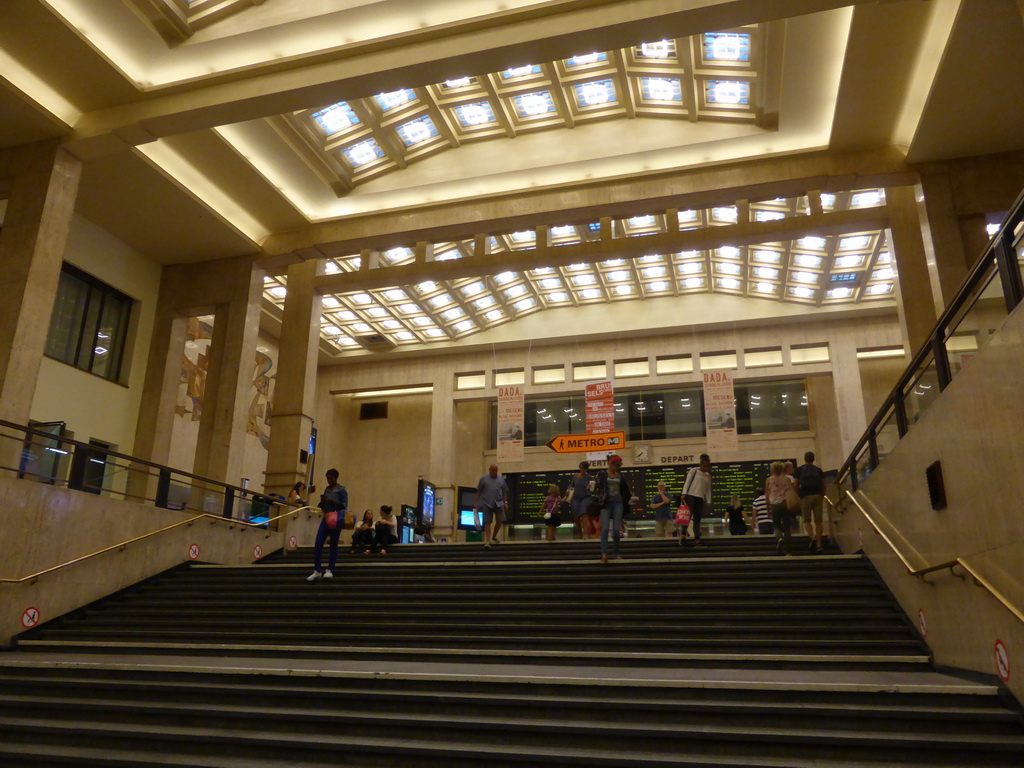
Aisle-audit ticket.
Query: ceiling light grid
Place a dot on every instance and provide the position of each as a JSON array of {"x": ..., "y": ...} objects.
[{"x": 364, "y": 137}]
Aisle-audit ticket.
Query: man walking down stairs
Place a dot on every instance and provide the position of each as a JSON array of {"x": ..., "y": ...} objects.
[{"x": 527, "y": 654}]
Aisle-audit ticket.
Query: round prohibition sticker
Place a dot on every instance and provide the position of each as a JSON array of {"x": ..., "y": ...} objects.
[
  {"x": 922, "y": 623},
  {"x": 30, "y": 617},
  {"x": 1002, "y": 657},
  {"x": 293, "y": 543},
  {"x": 257, "y": 552},
  {"x": 193, "y": 552}
]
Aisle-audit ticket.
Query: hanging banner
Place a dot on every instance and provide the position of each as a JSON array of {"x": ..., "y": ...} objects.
[
  {"x": 720, "y": 411},
  {"x": 510, "y": 423},
  {"x": 600, "y": 403}
]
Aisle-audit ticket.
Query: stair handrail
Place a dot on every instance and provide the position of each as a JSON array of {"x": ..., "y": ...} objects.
[
  {"x": 979, "y": 580},
  {"x": 120, "y": 546}
]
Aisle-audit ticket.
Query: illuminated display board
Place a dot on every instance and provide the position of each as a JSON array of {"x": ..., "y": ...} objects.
[{"x": 742, "y": 478}]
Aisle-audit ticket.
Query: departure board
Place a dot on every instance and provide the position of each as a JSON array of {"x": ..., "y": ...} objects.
[{"x": 742, "y": 478}]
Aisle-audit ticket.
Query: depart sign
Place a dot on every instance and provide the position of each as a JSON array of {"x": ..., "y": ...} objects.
[{"x": 587, "y": 443}]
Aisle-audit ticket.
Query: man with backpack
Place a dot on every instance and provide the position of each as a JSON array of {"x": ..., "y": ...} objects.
[{"x": 810, "y": 484}]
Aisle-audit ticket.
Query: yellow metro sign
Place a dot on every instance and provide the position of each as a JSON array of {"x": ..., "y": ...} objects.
[{"x": 592, "y": 443}]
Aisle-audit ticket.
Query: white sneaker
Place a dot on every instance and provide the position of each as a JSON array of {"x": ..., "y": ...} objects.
[
  {"x": 487, "y": 545},
  {"x": 314, "y": 576},
  {"x": 328, "y": 574},
  {"x": 495, "y": 541}
]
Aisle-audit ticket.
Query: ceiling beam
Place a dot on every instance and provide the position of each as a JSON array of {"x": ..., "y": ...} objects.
[
  {"x": 705, "y": 239},
  {"x": 705, "y": 187}
]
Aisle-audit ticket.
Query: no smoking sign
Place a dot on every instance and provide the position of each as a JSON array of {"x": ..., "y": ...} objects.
[
  {"x": 193, "y": 552},
  {"x": 30, "y": 617},
  {"x": 1002, "y": 660}
]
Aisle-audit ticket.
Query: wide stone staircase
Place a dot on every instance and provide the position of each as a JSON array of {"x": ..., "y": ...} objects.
[{"x": 522, "y": 654}]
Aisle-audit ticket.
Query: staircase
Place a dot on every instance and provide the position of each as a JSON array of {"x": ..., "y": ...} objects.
[{"x": 522, "y": 654}]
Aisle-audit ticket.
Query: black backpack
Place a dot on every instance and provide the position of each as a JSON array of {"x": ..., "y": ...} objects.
[{"x": 810, "y": 479}]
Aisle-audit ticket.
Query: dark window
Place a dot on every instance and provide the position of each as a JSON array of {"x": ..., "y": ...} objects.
[
  {"x": 89, "y": 325},
  {"x": 373, "y": 411},
  {"x": 764, "y": 406}
]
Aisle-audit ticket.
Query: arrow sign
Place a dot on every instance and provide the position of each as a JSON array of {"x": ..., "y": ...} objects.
[{"x": 597, "y": 441}]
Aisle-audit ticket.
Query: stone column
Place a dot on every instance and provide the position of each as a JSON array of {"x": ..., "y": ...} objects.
[
  {"x": 948, "y": 260},
  {"x": 442, "y": 450},
  {"x": 43, "y": 181},
  {"x": 295, "y": 388},
  {"x": 915, "y": 300},
  {"x": 849, "y": 392},
  {"x": 221, "y": 445}
]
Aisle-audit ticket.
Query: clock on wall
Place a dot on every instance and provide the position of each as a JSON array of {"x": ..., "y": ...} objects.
[{"x": 642, "y": 453}]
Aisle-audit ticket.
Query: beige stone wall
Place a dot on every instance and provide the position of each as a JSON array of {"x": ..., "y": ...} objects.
[
  {"x": 878, "y": 377},
  {"x": 976, "y": 429},
  {"x": 43, "y": 526},
  {"x": 101, "y": 409}
]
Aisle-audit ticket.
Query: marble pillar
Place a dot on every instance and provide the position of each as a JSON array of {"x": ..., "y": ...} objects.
[
  {"x": 849, "y": 392},
  {"x": 915, "y": 300},
  {"x": 43, "y": 186},
  {"x": 295, "y": 390}
]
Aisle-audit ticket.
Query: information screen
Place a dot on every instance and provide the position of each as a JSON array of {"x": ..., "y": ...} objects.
[
  {"x": 426, "y": 503},
  {"x": 742, "y": 478}
]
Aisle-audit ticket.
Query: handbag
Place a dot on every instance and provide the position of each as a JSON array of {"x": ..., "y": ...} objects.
[
  {"x": 792, "y": 499},
  {"x": 594, "y": 507},
  {"x": 683, "y": 515},
  {"x": 331, "y": 520}
]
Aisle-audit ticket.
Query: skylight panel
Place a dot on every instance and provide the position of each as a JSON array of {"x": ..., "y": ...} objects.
[
  {"x": 725, "y": 213},
  {"x": 361, "y": 328},
  {"x": 394, "y": 99},
  {"x": 504, "y": 277},
  {"x": 661, "y": 89},
  {"x": 828, "y": 201},
  {"x": 408, "y": 309},
  {"x": 594, "y": 94},
  {"x": 659, "y": 49},
  {"x": 361, "y": 298},
  {"x": 867, "y": 199},
  {"x": 331, "y": 302},
  {"x": 694, "y": 282},
  {"x": 484, "y": 302},
  {"x": 840, "y": 293},
  {"x": 727, "y": 268},
  {"x": 458, "y": 82},
  {"x": 364, "y": 152},
  {"x": 440, "y": 300},
  {"x": 691, "y": 267},
  {"x": 657, "y": 286},
  {"x": 391, "y": 324},
  {"x": 843, "y": 277},
  {"x": 623, "y": 290},
  {"x": 346, "y": 315},
  {"x": 806, "y": 260},
  {"x": 514, "y": 73},
  {"x": 805, "y": 277},
  {"x": 427, "y": 286},
  {"x": 590, "y": 293},
  {"x": 768, "y": 215},
  {"x": 812, "y": 243},
  {"x": 448, "y": 255},
  {"x": 726, "y": 46},
  {"x": 434, "y": 332},
  {"x": 534, "y": 104},
  {"x": 849, "y": 261},
  {"x": 558, "y": 296},
  {"x": 727, "y": 92},
  {"x": 801, "y": 292},
  {"x": 417, "y": 131},
  {"x": 642, "y": 221},
  {"x": 765, "y": 288},
  {"x": 377, "y": 312},
  {"x": 451, "y": 314},
  {"x": 730, "y": 283},
  {"x": 584, "y": 280},
  {"x": 766, "y": 272},
  {"x": 464, "y": 326},
  {"x": 494, "y": 314},
  {"x": 395, "y": 294},
  {"x": 728, "y": 252},
  {"x": 348, "y": 341},
  {"x": 278, "y": 292},
  {"x": 405, "y": 336},
  {"x": 618, "y": 275},
  {"x": 563, "y": 231},
  {"x": 421, "y": 320},
  {"x": 478, "y": 113},
  {"x": 524, "y": 304},
  {"x": 336, "y": 118},
  {"x": 398, "y": 254},
  {"x": 854, "y": 243},
  {"x": 886, "y": 273},
  {"x": 550, "y": 283},
  {"x": 472, "y": 288},
  {"x": 586, "y": 60},
  {"x": 769, "y": 257},
  {"x": 515, "y": 291},
  {"x": 654, "y": 271},
  {"x": 541, "y": 271},
  {"x": 880, "y": 289}
]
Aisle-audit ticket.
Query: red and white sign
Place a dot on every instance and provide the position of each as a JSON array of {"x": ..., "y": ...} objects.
[
  {"x": 257, "y": 552},
  {"x": 293, "y": 543},
  {"x": 600, "y": 404},
  {"x": 1002, "y": 661},
  {"x": 510, "y": 423},
  {"x": 30, "y": 617},
  {"x": 193, "y": 552},
  {"x": 720, "y": 411},
  {"x": 922, "y": 623}
]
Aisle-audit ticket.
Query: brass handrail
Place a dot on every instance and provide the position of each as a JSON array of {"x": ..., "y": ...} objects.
[
  {"x": 980, "y": 580},
  {"x": 124, "y": 544}
]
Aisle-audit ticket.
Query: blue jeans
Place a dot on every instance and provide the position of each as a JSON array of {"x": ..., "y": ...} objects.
[
  {"x": 611, "y": 515},
  {"x": 321, "y": 536}
]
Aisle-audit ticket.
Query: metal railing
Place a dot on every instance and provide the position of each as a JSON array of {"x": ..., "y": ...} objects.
[
  {"x": 949, "y": 565},
  {"x": 53, "y": 459},
  {"x": 989, "y": 293}
]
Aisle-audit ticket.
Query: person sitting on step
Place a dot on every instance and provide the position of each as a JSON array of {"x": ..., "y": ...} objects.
[
  {"x": 385, "y": 530},
  {"x": 362, "y": 536}
]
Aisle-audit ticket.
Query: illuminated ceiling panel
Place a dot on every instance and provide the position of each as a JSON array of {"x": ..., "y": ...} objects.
[
  {"x": 714, "y": 76},
  {"x": 852, "y": 268}
]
